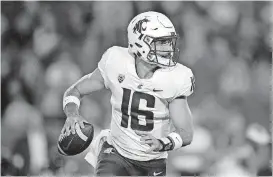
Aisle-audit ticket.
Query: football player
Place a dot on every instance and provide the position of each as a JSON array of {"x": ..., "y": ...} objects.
[{"x": 150, "y": 113}]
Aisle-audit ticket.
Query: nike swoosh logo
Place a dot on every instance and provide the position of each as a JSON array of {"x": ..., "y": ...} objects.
[
  {"x": 155, "y": 174},
  {"x": 157, "y": 90},
  {"x": 66, "y": 147}
]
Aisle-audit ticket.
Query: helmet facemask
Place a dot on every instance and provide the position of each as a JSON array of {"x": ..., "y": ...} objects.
[{"x": 163, "y": 51}]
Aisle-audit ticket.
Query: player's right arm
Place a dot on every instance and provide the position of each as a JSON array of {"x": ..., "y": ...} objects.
[
  {"x": 72, "y": 96},
  {"x": 89, "y": 83}
]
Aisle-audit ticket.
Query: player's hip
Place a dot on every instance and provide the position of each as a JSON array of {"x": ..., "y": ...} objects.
[
  {"x": 110, "y": 154},
  {"x": 135, "y": 151}
]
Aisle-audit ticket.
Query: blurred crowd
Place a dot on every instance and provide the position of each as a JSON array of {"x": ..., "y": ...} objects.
[{"x": 47, "y": 46}]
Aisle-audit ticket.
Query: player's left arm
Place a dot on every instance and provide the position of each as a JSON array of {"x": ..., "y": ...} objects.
[
  {"x": 181, "y": 117},
  {"x": 182, "y": 135},
  {"x": 182, "y": 120}
]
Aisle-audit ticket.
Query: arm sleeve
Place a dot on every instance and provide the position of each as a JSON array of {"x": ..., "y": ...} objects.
[
  {"x": 103, "y": 67},
  {"x": 185, "y": 87}
]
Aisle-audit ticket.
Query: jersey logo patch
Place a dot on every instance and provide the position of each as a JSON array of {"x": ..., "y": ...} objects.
[
  {"x": 140, "y": 86},
  {"x": 121, "y": 78}
]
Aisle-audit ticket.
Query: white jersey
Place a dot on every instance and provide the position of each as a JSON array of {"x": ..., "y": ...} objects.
[{"x": 140, "y": 104}]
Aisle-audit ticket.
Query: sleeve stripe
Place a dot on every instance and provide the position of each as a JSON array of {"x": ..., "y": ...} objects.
[{"x": 181, "y": 97}]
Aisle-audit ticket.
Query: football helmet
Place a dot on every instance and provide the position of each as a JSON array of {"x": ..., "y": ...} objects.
[{"x": 152, "y": 38}]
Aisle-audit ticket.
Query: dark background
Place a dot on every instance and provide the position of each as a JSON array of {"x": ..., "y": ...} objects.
[{"x": 47, "y": 46}]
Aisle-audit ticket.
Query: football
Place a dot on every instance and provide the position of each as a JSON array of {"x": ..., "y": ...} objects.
[{"x": 74, "y": 144}]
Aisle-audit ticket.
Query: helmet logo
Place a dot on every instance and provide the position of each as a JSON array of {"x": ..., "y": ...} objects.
[
  {"x": 139, "y": 25},
  {"x": 121, "y": 77}
]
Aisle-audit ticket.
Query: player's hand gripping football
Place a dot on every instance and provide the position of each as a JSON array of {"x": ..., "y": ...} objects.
[
  {"x": 70, "y": 123},
  {"x": 147, "y": 138}
]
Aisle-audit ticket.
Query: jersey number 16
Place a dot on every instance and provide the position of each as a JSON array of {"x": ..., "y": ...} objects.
[{"x": 135, "y": 111}]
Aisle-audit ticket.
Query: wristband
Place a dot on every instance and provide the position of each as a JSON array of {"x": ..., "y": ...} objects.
[
  {"x": 71, "y": 99},
  {"x": 178, "y": 142}
]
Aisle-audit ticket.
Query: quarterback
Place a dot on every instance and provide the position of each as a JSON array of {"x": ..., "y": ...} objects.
[{"x": 150, "y": 113}]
